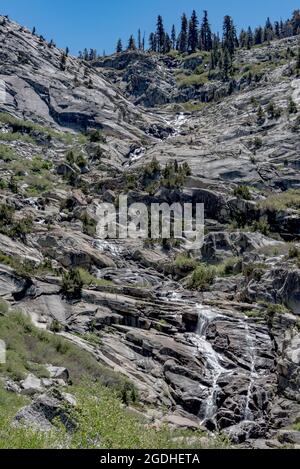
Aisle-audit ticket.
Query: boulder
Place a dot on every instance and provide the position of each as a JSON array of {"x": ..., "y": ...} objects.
[
  {"x": 31, "y": 385},
  {"x": 58, "y": 372},
  {"x": 245, "y": 430},
  {"x": 289, "y": 436},
  {"x": 44, "y": 409}
]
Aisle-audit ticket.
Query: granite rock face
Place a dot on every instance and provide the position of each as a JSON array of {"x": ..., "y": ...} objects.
[{"x": 222, "y": 354}]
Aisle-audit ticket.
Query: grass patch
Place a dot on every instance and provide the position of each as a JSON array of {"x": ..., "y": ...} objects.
[
  {"x": 26, "y": 268},
  {"x": 194, "y": 106},
  {"x": 36, "y": 185},
  {"x": 195, "y": 80},
  {"x": 89, "y": 279},
  {"x": 26, "y": 128},
  {"x": 29, "y": 348},
  {"x": 14, "y": 136},
  {"x": 282, "y": 201}
]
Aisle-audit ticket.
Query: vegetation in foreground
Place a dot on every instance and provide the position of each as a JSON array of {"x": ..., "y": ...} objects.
[{"x": 102, "y": 416}]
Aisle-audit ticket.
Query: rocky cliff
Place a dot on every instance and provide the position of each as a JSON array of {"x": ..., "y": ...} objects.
[{"x": 210, "y": 340}]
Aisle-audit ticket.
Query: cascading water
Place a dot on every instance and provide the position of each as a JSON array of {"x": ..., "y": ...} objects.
[
  {"x": 214, "y": 361},
  {"x": 176, "y": 124},
  {"x": 252, "y": 352},
  {"x": 205, "y": 317}
]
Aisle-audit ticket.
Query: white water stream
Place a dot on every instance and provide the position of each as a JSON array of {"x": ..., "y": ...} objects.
[
  {"x": 252, "y": 352},
  {"x": 205, "y": 317},
  {"x": 214, "y": 362},
  {"x": 176, "y": 123}
]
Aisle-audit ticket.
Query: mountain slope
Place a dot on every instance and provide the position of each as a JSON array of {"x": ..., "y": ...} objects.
[{"x": 210, "y": 338}]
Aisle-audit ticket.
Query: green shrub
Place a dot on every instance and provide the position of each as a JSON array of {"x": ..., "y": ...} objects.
[
  {"x": 228, "y": 267},
  {"x": 262, "y": 226},
  {"x": 6, "y": 214},
  {"x": 294, "y": 252},
  {"x": 260, "y": 116},
  {"x": 185, "y": 263},
  {"x": 55, "y": 326},
  {"x": 3, "y": 184},
  {"x": 6, "y": 153},
  {"x": 72, "y": 284},
  {"x": 253, "y": 271},
  {"x": 174, "y": 175},
  {"x": 292, "y": 107},
  {"x": 202, "y": 277},
  {"x": 96, "y": 136},
  {"x": 242, "y": 192},
  {"x": 89, "y": 224},
  {"x": 12, "y": 228},
  {"x": 151, "y": 169},
  {"x": 272, "y": 111},
  {"x": 38, "y": 164}
]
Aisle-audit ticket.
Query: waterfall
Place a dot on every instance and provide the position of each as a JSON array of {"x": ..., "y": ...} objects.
[
  {"x": 213, "y": 359},
  {"x": 252, "y": 351},
  {"x": 205, "y": 317}
]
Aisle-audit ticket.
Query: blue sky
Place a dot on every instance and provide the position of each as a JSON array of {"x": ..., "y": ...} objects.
[{"x": 99, "y": 23}]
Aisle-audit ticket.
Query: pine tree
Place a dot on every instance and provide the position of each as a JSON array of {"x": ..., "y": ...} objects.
[
  {"x": 214, "y": 56},
  {"x": 260, "y": 116},
  {"x": 281, "y": 28},
  {"x": 92, "y": 54},
  {"x": 226, "y": 64},
  {"x": 298, "y": 59},
  {"x": 250, "y": 39},
  {"x": 34, "y": 30},
  {"x": 131, "y": 43},
  {"x": 268, "y": 31},
  {"x": 63, "y": 61},
  {"x": 258, "y": 36},
  {"x": 271, "y": 110},
  {"x": 193, "y": 33},
  {"x": 119, "y": 47},
  {"x": 205, "y": 33},
  {"x": 243, "y": 38},
  {"x": 295, "y": 21},
  {"x": 229, "y": 35},
  {"x": 85, "y": 55},
  {"x": 160, "y": 34},
  {"x": 173, "y": 37},
  {"x": 183, "y": 39},
  {"x": 152, "y": 42},
  {"x": 277, "y": 29},
  {"x": 67, "y": 51},
  {"x": 167, "y": 44},
  {"x": 139, "y": 40}
]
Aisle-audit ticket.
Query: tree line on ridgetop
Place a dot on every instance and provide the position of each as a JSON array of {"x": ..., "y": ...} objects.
[{"x": 197, "y": 35}]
